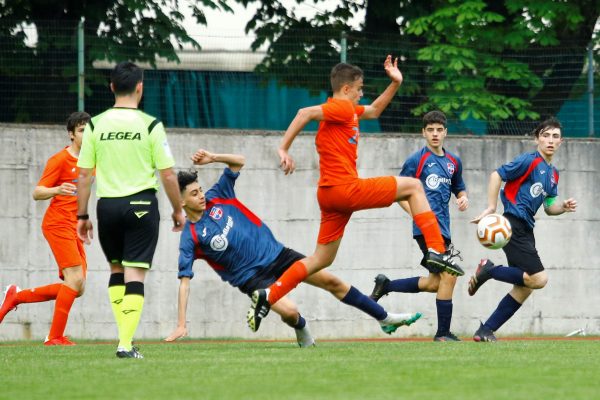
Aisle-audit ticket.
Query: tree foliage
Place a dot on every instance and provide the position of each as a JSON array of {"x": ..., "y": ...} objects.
[
  {"x": 134, "y": 30},
  {"x": 490, "y": 60}
]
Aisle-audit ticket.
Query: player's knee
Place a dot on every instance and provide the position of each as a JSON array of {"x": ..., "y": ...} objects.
[
  {"x": 537, "y": 281},
  {"x": 429, "y": 285},
  {"x": 333, "y": 284},
  {"x": 408, "y": 185},
  {"x": 81, "y": 289},
  {"x": 540, "y": 282}
]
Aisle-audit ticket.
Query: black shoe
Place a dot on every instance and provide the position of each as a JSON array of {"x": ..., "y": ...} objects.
[
  {"x": 448, "y": 337},
  {"x": 259, "y": 308},
  {"x": 133, "y": 353},
  {"x": 381, "y": 282},
  {"x": 484, "y": 334},
  {"x": 482, "y": 275},
  {"x": 437, "y": 262}
]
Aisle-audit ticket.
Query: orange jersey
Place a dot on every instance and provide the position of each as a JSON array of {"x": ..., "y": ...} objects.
[
  {"x": 60, "y": 168},
  {"x": 337, "y": 142}
]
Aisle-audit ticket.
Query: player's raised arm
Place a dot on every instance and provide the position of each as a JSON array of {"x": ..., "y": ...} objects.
[
  {"x": 184, "y": 294},
  {"x": 302, "y": 118},
  {"x": 235, "y": 162},
  {"x": 376, "y": 108}
]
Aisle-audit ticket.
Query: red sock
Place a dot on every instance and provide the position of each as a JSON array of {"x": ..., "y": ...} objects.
[
  {"x": 430, "y": 228},
  {"x": 38, "y": 294},
  {"x": 64, "y": 300},
  {"x": 288, "y": 281}
]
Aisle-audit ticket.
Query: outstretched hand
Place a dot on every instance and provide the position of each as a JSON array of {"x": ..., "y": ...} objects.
[
  {"x": 202, "y": 157},
  {"x": 286, "y": 162},
  {"x": 178, "y": 333},
  {"x": 569, "y": 205},
  {"x": 485, "y": 212},
  {"x": 391, "y": 69}
]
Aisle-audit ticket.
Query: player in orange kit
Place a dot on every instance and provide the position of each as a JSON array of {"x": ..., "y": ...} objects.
[
  {"x": 341, "y": 191},
  {"x": 58, "y": 182}
]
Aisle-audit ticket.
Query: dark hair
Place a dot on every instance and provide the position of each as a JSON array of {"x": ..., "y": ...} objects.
[
  {"x": 434, "y": 117},
  {"x": 548, "y": 123},
  {"x": 184, "y": 178},
  {"x": 343, "y": 74},
  {"x": 77, "y": 118},
  {"x": 125, "y": 76}
]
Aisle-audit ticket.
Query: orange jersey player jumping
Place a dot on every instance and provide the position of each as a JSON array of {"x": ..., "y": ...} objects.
[
  {"x": 58, "y": 182},
  {"x": 341, "y": 191}
]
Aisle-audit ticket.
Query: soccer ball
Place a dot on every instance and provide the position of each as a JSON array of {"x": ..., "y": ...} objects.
[{"x": 494, "y": 231}]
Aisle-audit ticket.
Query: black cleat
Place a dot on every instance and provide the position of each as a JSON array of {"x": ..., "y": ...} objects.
[
  {"x": 436, "y": 262},
  {"x": 482, "y": 275},
  {"x": 259, "y": 308},
  {"x": 381, "y": 282},
  {"x": 448, "y": 337},
  {"x": 133, "y": 353},
  {"x": 484, "y": 334}
]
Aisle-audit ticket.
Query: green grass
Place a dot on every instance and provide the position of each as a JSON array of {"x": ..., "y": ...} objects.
[{"x": 333, "y": 370}]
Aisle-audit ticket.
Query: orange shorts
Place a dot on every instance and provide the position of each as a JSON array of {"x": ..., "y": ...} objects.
[
  {"x": 68, "y": 250},
  {"x": 339, "y": 202}
]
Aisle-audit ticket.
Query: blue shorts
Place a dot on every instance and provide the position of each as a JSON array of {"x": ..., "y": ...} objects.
[{"x": 520, "y": 250}]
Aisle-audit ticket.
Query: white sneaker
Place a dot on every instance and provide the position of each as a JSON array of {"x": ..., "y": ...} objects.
[
  {"x": 394, "y": 321},
  {"x": 304, "y": 337}
]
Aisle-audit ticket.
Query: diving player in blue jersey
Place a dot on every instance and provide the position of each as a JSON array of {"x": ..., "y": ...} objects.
[
  {"x": 241, "y": 248},
  {"x": 531, "y": 181},
  {"x": 441, "y": 174}
]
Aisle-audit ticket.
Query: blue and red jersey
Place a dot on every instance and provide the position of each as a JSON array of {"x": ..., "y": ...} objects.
[
  {"x": 441, "y": 176},
  {"x": 229, "y": 237},
  {"x": 529, "y": 180}
]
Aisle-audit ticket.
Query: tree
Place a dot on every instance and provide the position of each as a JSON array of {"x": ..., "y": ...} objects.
[
  {"x": 135, "y": 30},
  {"x": 483, "y": 59}
]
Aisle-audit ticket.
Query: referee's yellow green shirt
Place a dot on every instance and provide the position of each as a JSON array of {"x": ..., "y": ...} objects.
[{"x": 126, "y": 146}]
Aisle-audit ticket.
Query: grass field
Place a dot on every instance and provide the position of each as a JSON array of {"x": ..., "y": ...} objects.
[{"x": 515, "y": 369}]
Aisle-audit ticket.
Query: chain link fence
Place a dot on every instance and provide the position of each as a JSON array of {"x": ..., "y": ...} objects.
[{"x": 234, "y": 87}]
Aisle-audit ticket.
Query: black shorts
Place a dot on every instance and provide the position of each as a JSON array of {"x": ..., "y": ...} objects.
[
  {"x": 268, "y": 275},
  {"x": 423, "y": 246},
  {"x": 128, "y": 228},
  {"x": 520, "y": 250}
]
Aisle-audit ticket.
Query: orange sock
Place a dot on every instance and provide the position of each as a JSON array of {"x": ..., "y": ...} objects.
[
  {"x": 38, "y": 294},
  {"x": 288, "y": 281},
  {"x": 430, "y": 228},
  {"x": 64, "y": 300}
]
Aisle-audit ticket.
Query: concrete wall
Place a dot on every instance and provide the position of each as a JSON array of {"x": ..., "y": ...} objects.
[{"x": 375, "y": 241}]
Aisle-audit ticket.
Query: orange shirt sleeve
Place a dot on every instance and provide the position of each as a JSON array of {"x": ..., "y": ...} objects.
[
  {"x": 51, "y": 173},
  {"x": 359, "y": 110}
]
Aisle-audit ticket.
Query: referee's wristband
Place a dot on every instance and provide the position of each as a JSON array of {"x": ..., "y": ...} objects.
[{"x": 83, "y": 217}]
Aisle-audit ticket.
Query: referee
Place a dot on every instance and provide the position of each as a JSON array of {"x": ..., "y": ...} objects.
[{"x": 126, "y": 146}]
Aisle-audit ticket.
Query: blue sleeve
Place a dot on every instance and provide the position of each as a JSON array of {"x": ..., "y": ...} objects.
[
  {"x": 410, "y": 167},
  {"x": 458, "y": 185},
  {"x": 186, "y": 254},
  {"x": 516, "y": 168},
  {"x": 223, "y": 189}
]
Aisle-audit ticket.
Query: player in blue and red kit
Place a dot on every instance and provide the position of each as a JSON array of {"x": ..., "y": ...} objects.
[
  {"x": 241, "y": 248},
  {"x": 531, "y": 181},
  {"x": 440, "y": 172}
]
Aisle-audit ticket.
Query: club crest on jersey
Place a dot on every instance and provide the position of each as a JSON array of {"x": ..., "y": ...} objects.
[
  {"x": 216, "y": 213},
  {"x": 552, "y": 180},
  {"x": 450, "y": 167}
]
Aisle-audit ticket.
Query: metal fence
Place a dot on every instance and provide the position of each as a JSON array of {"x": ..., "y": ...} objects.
[{"x": 234, "y": 87}]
